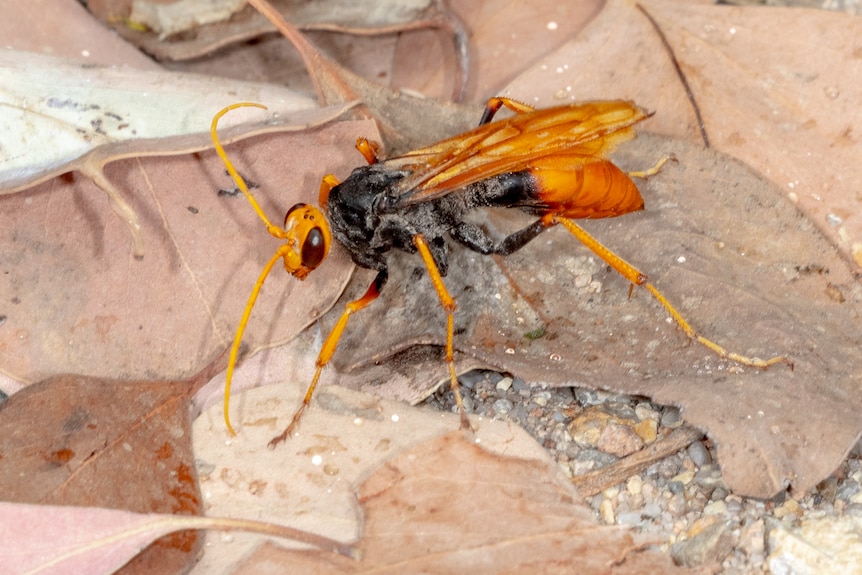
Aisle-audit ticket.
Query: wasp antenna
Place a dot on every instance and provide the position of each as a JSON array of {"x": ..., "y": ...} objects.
[
  {"x": 237, "y": 340},
  {"x": 240, "y": 182}
]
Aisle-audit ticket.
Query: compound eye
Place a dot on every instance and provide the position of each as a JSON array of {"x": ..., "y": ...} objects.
[{"x": 313, "y": 248}]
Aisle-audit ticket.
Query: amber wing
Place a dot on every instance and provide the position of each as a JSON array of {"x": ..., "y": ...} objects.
[{"x": 585, "y": 131}]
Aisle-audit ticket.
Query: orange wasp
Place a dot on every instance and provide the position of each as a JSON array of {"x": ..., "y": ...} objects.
[{"x": 551, "y": 163}]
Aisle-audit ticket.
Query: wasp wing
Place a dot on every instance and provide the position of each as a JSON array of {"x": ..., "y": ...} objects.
[{"x": 585, "y": 131}]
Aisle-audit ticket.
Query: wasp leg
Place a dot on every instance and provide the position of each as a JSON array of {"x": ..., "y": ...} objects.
[
  {"x": 494, "y": 105},
  {"x": 448, "y": 304},
  {"x": 655, "y": 169},
  {"x": 632, "y": 274},
  {"x": 328, "y": 350},
  {"x": 475, "y": 238},
  {"x": 329, "y": 181},
  {"x": 369, "y": 149}
]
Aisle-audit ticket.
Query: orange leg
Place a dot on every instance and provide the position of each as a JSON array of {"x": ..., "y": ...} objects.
[
  {"x": 644, "y": 174},
  {"x": 328, "y": 350},
  {"x": 632, "y": 274},
  {"x": 368, "y": 149},
  {"x": 494, "y": 105},
  {"x": 448, "y": 304}
]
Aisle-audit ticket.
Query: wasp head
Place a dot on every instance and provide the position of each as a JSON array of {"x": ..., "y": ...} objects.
[{"x": 307, "y": 232}]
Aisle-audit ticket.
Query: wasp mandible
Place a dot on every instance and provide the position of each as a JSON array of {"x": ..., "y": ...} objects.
[{"x": 552, "y": 163}]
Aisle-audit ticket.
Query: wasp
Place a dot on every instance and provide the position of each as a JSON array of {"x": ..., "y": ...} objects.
[{"x": 552, "y": 163}]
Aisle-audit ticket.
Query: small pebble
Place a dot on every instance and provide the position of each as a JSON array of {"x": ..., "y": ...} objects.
[
  {"x": 542, "y": 398},
  {"x": 671, "y": 417},
  {"x": 685, "y": 477},
  {"x": 587, "y": 397},
  {"x": 715, "y": 508},
  {"x": 651, "y": 510},
  {"x": 709, "y": 476},
  {"x": 790, "y": 509},
  {"x": 718, "y": 493},
  {"x": 629, "y": 518},
  {"x": 647, "y": 430},
  {"x": 676, "y": 504},
  {"x": 676, "y": 487},
  {"x": 635, "y": 485},
  {"x": 520, "y": 385},
  {"x": 848, "y": 490},
  {"x": 619, "y": 440},
  {"x": 668, "y": 467},
  {"x": 710, "y": 546},
  {"x": 606, "y": 511},
  {"x": 502, "y": 406},
  {"x": 676, "y": 499},
  {"x": 699, "y": 454},
  {"x": 645, "y": 411}
]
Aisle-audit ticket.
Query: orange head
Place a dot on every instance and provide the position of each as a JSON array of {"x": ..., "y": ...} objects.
[{"x": 307, "y": 231}]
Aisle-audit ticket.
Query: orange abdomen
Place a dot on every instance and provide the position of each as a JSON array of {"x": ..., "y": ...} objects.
[{"x": 575, "y": 190}]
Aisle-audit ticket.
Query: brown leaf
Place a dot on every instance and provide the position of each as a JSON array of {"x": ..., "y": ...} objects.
[
  {"x": 95, "y": 115},
  {"x": 759, "y": 289},
  {"x": 449, "y": 506},
  {"x": 772, "y": 87},
  {"x": 80, "y": 302},
  {"x": 64, "y": 28},
  {"x": 79, "y": 441},
  {"x": 65, "y": 539},
  {"x": 309, "y": 481},
  {"x": 185, "y": 31},
  {"x": 506, "y": 39}
]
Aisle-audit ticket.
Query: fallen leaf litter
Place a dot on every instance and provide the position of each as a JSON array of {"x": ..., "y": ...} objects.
[{"x": 681, "y": 498}]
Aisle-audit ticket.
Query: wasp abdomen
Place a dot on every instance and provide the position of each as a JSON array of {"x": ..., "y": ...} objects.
[{"x": 596, "y": 189}]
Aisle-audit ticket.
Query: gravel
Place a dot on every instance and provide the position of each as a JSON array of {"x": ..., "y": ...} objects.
[{"x": 682, "y": 499}]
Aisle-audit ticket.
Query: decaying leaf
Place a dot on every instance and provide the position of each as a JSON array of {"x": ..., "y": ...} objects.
[
  {"x": 506, "y": 39},
  {"x": 450, "y": 506},
  {"x": 76, "y": 300},
  {"x": 79, "y": 441},
  {"x": 183, "y": 30},
  {"x": 67, "y": 30},
  {"x": 65, "y": 539},
  {"x": 427, "y": 495},
  {"x": 737, "y": 260},
  {"x": 774, "y": 88},
  {"x": 97, "y": 115}
]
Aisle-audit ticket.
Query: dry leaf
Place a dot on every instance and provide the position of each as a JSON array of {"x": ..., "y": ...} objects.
[
  {"x": 84, "y": 442},
  {"x": 506, "y": 39},
  {"x": 450, "y": 506},
  {"x": 309, "y": 482},
  {"x": 80, "y": 302},
  {"x": 185, "y": 30},
  {"x": 758, "y": 288},
  {"x": 96, "y": 115},
  {"x": 774, "y": 87},
  {"x": 65, "y": 540},
  {"x": 64, "y": 28},
  {"x": 99, "y": 115},
  {"x": 352, "y": 434}
]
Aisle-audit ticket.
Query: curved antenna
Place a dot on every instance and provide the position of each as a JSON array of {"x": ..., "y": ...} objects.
[{"x": 273, "y": 230}]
